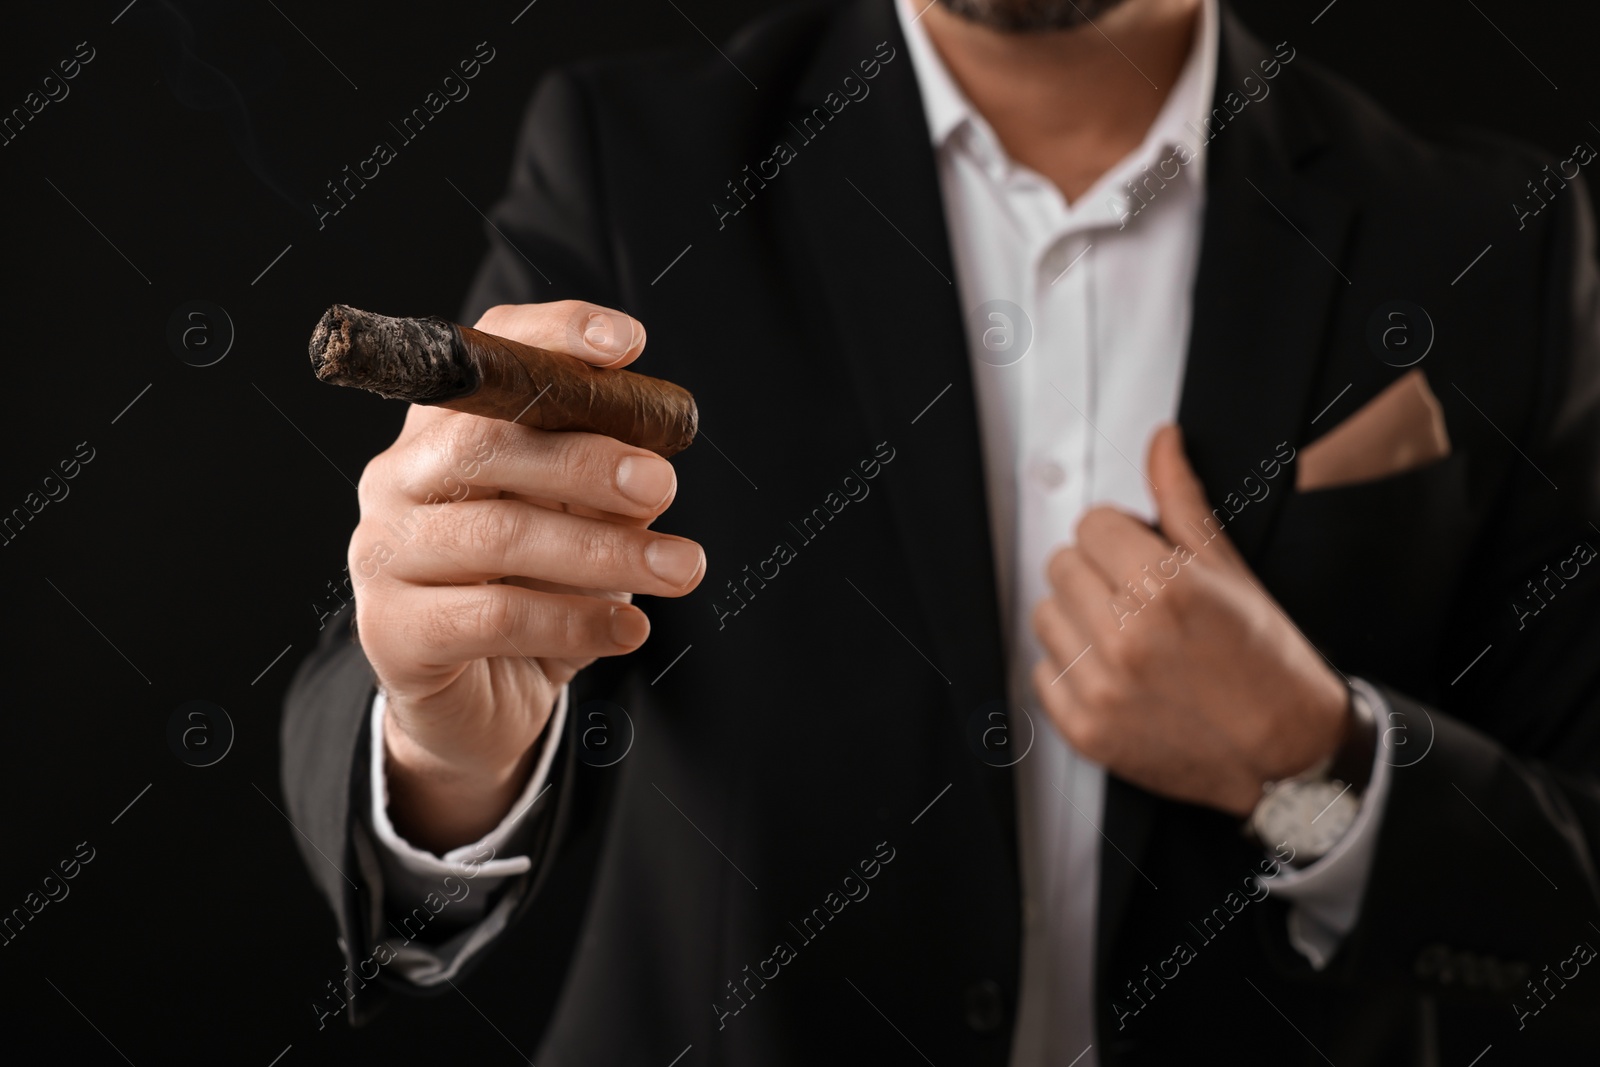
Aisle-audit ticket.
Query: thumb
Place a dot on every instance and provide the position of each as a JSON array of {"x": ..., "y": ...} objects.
[
  {"x": 598, "y": 335},
  {"x": 1183, "y": 511}
]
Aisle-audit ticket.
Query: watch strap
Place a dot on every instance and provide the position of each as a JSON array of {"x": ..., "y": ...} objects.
[{"x": 1352, "y": 763}]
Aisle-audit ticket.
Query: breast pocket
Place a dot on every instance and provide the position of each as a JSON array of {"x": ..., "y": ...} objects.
[{"x": 1367, "y": 571}]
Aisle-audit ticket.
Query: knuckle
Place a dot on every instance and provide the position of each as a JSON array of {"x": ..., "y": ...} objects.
[
  {"x": 1040, "y": 618},
  {"x": 488, "y": 438},
  {"x": 1098, "y": 690},
  {"x": 1120, "y": 644},
  {"x": 496, "y": 611},
  {"x": 1179, "y": 593},
  {"x": 581, "y": 460},
  {"x": 1091, "y": 522},
  {"x": 564, "y": 625},
  {"x": 361, "y": 541},
  {"x": 459, "y": 437},
  {"x": 376, "y": 476},
  {"x": 608, "y": 550},
  {"x": 450, "y": 623},
  {"x": 578, "y": 628},
  {"x": 1132, "y": 651},
  {"x": 486, "y": 531},
  {"x": 368, "y": 555},
  {"x": 368, "y": 616},
  {"x": 1046, "y": 622},
  {"x": 437, "y": 629},
  {"x": 1061, "y": 565}
]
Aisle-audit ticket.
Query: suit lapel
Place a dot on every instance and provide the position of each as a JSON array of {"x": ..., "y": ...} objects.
[
  {"x": 869, "y": 210},
  {"x": 1267, "y": 280},
  {"x": 1264, "y": 290}
]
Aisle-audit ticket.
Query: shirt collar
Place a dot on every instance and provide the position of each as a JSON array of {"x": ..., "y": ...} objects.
[{"x": 947, "y": 109}]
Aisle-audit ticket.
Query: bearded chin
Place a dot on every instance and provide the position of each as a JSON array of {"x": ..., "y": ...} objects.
[{"x": 1029, "y": 16}]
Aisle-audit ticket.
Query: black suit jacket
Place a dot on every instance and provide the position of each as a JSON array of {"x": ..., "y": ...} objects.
[{"x": 796, "y": 741}]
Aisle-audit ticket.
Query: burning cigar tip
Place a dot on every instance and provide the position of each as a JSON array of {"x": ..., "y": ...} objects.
[
  {"x": 435, "y": 361},
  {"x": 413, "y": 359}
]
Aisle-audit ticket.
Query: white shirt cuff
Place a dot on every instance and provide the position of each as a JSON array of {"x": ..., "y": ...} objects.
[
  {"x": 1327, "y": 894},
  {"x": 466, "y": 858},
  {"x": 412, "y": 876}
]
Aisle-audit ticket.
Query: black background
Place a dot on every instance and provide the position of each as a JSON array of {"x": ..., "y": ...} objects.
[{"x": 191, "y": 550}]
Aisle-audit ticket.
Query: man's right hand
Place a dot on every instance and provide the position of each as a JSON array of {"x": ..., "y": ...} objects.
[{"x": 494, "y": 561}]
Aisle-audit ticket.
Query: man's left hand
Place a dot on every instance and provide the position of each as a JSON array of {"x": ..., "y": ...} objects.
[{"x": 1168, "y": 663}]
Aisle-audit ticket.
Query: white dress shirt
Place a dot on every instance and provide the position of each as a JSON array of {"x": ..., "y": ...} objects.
[{"x": 1103, "y": 295}]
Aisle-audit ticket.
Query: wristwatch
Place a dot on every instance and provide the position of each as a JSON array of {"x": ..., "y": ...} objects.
[{"x": 1310, "y": 811}]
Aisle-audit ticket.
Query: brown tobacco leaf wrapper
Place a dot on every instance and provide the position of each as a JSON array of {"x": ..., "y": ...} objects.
[{"x": 435, "y": 361}]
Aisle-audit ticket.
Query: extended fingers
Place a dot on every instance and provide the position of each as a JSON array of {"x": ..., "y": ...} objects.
[
  {"x": 478, "y": 540},
  {"x": 433, "y": 629},
  {"x": 460, "y": 457}
]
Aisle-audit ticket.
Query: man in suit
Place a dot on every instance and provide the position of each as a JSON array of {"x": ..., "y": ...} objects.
[{"x": 987, "y": 717}]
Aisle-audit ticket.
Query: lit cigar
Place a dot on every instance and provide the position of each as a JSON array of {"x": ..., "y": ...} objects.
[{"x": 435, "y": 361}]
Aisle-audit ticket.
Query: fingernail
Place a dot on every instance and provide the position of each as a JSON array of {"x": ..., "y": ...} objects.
[
  {"x": 645, "y": 481},
  {"x": 609, "y": 335},
  {"x": 629, "y": 627},
  {"x": 674, "y": 562}
]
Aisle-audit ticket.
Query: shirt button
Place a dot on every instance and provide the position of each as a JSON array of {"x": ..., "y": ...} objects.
[
  {"x": 1049, "y": 474},
  {"x": 983, "y": 1007}
]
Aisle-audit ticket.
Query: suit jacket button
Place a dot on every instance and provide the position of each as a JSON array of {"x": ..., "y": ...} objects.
[{"x": 985, "y": 1012}]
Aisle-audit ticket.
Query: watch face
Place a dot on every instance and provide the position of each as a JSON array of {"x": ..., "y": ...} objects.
[{"x": 1309, "y": 816}]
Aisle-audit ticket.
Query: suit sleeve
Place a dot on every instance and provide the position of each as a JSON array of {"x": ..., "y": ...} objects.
[
  {"x": 547, "y": 241},
  {"x": 1488, "y": 844}
]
